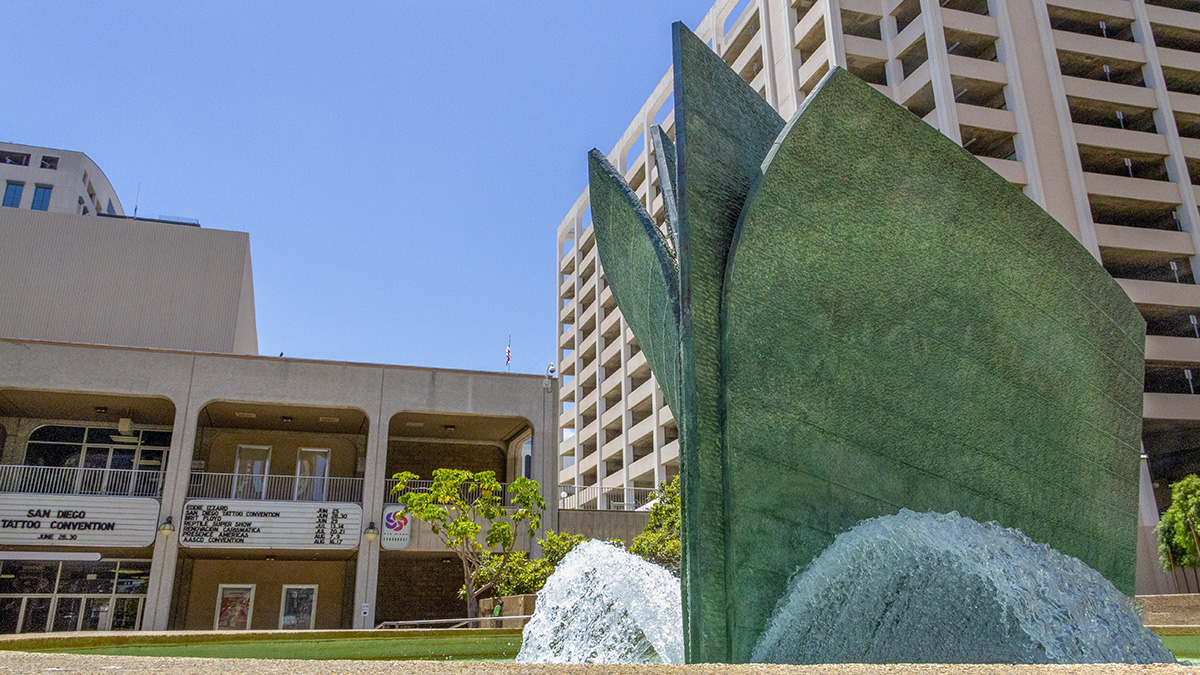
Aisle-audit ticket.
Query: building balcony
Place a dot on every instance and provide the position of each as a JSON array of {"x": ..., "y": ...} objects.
[
  {"x": 1144, "y": 239},
  {"x": 1178, "y": 407},
  {"x": 970, "y": 22},
  {"x": 1112, "y": 92},
  {"x": 53, "y": 480},
  {"x": 1106, "y": 49},
  {"x": 1171, "y": 16},
  {"x": 1141, "y": 189},
  {"x": 204, "y": 485},
  {"x": 1010, "y": 170},
  {"x": 1161, "y": 294},
  {"x": 1169, "y": 349},
  {"x": 1140, "y": 142},
  {"x": 595, "y": 497}
]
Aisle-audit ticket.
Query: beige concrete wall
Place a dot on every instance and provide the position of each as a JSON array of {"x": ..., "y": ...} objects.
[
  {"x": 218, "y": 449},
  {"x": 1171, "y": 610},
  {"x": 422, "y": 458},
  {"x": 113, "y": 281},
  {"x": 623, "y": 525},
  {"x": 269, "y": 578}
]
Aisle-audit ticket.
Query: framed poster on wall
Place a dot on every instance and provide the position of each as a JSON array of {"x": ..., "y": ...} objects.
[
  {"x": 235, "y": 607},
  {"x": 298, "y": 607}
]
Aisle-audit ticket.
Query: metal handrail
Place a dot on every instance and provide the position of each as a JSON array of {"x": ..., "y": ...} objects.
[
  {"x": 59, "y": 480},
  {"x": 597, "y": 498},
  {"x": 472, "y": 491},
  {"x": 205, "y": 485},
  {"x": 458, "y": 623}
]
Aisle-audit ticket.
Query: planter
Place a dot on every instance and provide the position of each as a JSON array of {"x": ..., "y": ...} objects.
[{"x": 510, "y": 605}]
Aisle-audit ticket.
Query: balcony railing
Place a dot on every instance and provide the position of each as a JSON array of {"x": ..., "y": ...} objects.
[
  {"x": 275, "y": 488},
  {"x": 56, "y": 480},
  {"x": 470, "y": 492},
  {"x": 594, "y": 497}
]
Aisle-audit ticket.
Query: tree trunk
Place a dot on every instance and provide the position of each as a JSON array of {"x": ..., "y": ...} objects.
[{"x": 472, "y": 601}]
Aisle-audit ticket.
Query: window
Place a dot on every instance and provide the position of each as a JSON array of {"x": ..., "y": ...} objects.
[
  {"x": 110, "y": 210},
  {"x": 250, "y": 471},
  {"x": 49, "y": 162},
  {"x": 12, "y": 194},
  {"x": 18, "y": 158},
  {"x": 312, "y": 469},
  {"x": 41, "y": 198},
  {"x": 112, "y": 464}
]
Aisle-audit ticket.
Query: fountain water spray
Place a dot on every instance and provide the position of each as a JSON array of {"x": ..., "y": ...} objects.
[
  {"x": 603, "y": 605},
  {"x": 906, "y": 588},
  {"x": 929, "y": 587}
]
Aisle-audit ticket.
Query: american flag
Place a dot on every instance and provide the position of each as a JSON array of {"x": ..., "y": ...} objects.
[{"x": 508, "y": 353}]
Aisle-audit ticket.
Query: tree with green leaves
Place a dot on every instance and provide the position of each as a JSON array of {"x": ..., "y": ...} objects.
[
  {"x": 659, "y": 543},
  {"x": 522, "y": 575},
  {"x": 457, "y": 508},
  {"x": 1178, "y": 542}
]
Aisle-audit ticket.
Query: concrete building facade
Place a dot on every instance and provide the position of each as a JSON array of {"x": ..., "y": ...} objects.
[
  {"x": 59, "y": 181},
  {"x": 154, "y": 489},
  {"x": 155, "y": 473},
  {"x": 1091, "y": 107},
  {"x": 125, "y": 281}
]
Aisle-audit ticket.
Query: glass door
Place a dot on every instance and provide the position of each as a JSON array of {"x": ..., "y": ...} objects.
[
  {"x": 91, "y": 479},
  {"x": 95, "y": 614},
  {"x": 66, "y": 613},
  {"x": 250, "y": 472},
  {"x": 312, "y": 472},
  {"x": 125, "y": 613},
  {"x": 235, "y": 607},
  {"x": 298, "y": 608},
  {"x": 119, "y": 478},
  {"x": 36, "y": 615}
]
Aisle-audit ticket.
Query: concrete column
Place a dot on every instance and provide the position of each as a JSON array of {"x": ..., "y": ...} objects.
[
  {"x": 1014, "y": 95},
  {"x": 1086, "y": 231},
  {"x": 765, "y": 20},
  {"x": 777, "y": 28},
  {"x": 888, "y": 32},
  {"x": 366, "y": 573},
  {"x": 833, "y": 33},
  {"x": 939, "y": 70},
  {"x": 157, "y": 613},
  {"x": 1164, "y": 118},
  {"x": 660, "y": 436}
]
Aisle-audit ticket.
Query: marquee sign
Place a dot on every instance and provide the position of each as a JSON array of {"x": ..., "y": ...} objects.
[
  {"x": 77, "y": 520},
  {"x": 231, "y": 523},
  {"x": 397, "y": 529}
]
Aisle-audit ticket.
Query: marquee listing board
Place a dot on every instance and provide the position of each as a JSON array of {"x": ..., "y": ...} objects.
[{"x": 229, "y": 523}]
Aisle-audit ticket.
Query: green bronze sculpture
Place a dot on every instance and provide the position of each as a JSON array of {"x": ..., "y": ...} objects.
[{"x": 848, "y": 315}]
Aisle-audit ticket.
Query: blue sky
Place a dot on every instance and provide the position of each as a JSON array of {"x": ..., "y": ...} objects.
[{"x": 401, "y": 167}]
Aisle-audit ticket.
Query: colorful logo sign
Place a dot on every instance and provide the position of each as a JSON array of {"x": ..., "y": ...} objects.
[{"x": 397, "y": 529}]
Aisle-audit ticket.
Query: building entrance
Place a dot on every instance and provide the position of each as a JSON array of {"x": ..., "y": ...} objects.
[{"x": 39, "y": 596}]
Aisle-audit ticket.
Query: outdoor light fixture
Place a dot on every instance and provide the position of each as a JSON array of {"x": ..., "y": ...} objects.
[
  {"x": 101, "y": 410},
  {"x": 166, "y": 528},
  {"x": 371, "y": 533},
  {"x": 286, "y": 418}
]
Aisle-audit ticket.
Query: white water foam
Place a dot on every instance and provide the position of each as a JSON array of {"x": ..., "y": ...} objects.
[
  {"x": 603, "y": 605},
  {"x": 929, "y": 587}
]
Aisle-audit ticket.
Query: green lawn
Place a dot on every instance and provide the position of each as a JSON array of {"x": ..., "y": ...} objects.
[
  {"x": 1186, "y": 648},
  {"x": 478, "y": 645}
]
